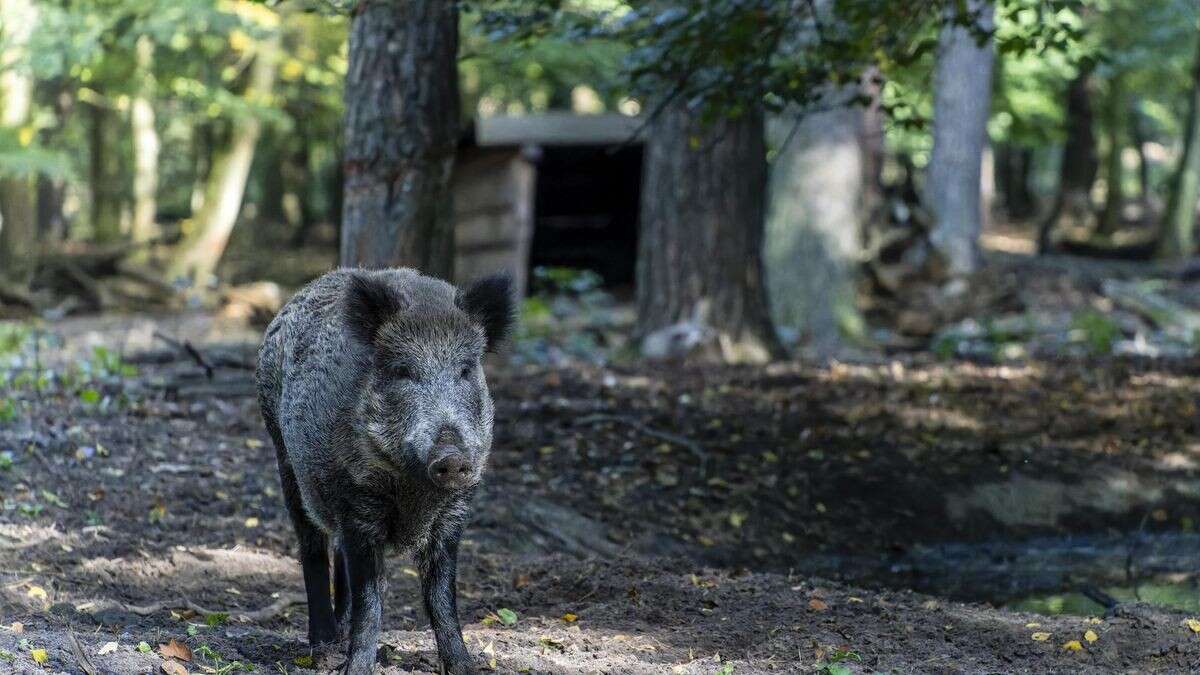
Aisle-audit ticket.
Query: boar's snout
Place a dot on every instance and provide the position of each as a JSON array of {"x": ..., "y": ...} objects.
[
  {"x": 452, "y": 471},
  {"x": 450, "y": 467}
]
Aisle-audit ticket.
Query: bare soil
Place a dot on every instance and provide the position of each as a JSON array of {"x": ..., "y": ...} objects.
[{"x": 672, "y": 513}]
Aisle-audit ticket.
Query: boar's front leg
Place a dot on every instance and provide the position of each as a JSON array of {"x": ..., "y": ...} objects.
[
  {"x": 364, "y": 569},
  {"x": 438, "y": 563}
]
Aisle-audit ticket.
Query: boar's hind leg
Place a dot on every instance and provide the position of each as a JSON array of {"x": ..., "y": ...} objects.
[
  {"x": 364, "y": 566},
  {"x": 438, "y": 562},
  {"x": 341, "y": 591},
  {"x": 314, "y": 556}
]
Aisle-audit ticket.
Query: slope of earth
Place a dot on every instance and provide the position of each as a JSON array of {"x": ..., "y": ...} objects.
[{"x": 636, "y": 502}]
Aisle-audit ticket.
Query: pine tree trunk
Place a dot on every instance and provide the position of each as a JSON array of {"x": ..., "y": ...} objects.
[
  {"x": 1079, "y": 165},
  {"x": 818, "y": 185},
  {"x": 962, "y": 88},
  {"x": 145, "y": 147},
  {"x": 402, "y": 122},
  {"x": 1179, "y": 221},
  {"x": 700, "y": 245},
  {"x": 201, "y": 249},
  {"x": 18, "y": 219}
]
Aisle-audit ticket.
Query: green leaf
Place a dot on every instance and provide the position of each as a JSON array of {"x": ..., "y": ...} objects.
[
  {"x": 89, "y": 396},
  {"x": 143, "y": 647},
  {"x": 507, "y": 616}
]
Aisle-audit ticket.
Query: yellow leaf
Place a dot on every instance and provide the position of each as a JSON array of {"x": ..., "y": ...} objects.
[
  {"x": 1072, "y": 645},
  {"x": 1091, "y": 636},
  {"x": 37, "y": 592},
  {"x": 1040, "y": 636},
  {"x": 1032, "y": 624},
  {"x": 569, "y": 617},
  {"x": 39, "y": 656},
  {"x": 304, "y": 661},
  {"x": 736, "y": 518},
  {"x": 25, "y": 135},
  {"x": 1194, "y": 625},
  {"x": 253, "y": 443},
  {"x": 108, "y": 648},
  {"x": 252, "y": 522},
  {"x": 238, "y": 40}
]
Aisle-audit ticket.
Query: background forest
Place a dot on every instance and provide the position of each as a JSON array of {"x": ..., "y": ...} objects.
[{"x": 854, "y": 335}]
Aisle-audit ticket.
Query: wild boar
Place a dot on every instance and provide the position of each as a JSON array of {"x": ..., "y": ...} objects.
[{"x": 372, "y": 389}]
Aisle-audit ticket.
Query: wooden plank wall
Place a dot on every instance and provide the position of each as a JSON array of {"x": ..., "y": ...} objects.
[{"x": 493, "y": 214}]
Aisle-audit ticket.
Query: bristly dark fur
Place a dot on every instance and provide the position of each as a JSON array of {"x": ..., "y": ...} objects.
[
  {"x": 369, "y": 304},
  {"x": 490, "y": 302},
  {"x": 359, "y": 376}
]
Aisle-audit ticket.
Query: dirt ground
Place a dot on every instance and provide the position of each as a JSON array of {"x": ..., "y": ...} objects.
[{"x": 635, "y": 520}]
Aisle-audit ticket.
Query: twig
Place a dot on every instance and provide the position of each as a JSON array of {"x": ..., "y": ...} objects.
[
  {"x": 85, "y": 664},
  {"x": 187, "y": 348},
  {"x": 667, "y": 436},
  {"x": 1099, "y": 596},
  {"x": 254, "y": 616}
]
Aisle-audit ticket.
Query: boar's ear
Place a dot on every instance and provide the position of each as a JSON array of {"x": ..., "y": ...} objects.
[
  {"x": 490, "y": 302},
  {"x": 369, "y": 303}
]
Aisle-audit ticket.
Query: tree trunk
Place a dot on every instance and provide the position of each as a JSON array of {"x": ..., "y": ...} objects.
[
  {"x": 700, "y": 245},
  {"x": 145, "y": 147},
  {"x": 962, "y": 92},
  {"x": 1014, "y": 164},
  {"x": 18, "y": 223},
  {"x": 1079, "y": 164},
  {"x": 1139, "y": 138},
  {"x": 201, "y": 249},
  {"x": 1179, "y": 221},
  {"x": 402, "y": 122},
  {"x": 104, "y": 168},
  {"x": 1115, "y": 115},
  {"x": 818, "y": 186}
]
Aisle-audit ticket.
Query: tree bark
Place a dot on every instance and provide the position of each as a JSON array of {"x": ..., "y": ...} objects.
[
  {"x": 145, "y": 147},
  {"x": 1079, "y": 166},
  {"x": 819, "y": 182},
  {"x": 962, "y": 87},
  {"x": 1179, "y": 220},
  {"x": 402, "y": 122},
  {"x": 702, "y": 217},
  {"x": 18, "y": 222},
  {"x": 201, "y": 249}
]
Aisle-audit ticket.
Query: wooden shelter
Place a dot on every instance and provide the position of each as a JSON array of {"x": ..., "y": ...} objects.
[{"x": 551, "y": 189}]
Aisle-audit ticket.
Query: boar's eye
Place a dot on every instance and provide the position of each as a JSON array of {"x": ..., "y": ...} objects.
[
  {"x": 467, "y": 369},
  {"x": 400, "y": 372}
]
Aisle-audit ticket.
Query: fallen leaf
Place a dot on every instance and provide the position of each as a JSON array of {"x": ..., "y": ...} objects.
[
  {"x": 36, "y": 592},
  {"x": 507, "y": 616},
  {"x": 569, "y": 617},
  {"x": 252, "y": 522},
  {"x": 173, "y": 668},
  {"x": 1040, "y": 637},
  {"x": 736, "y": 518},
  {"x": 521, "y": 581},
  {"x": 817, "y": 605},
  {"x": 304, "y": 661},
  {"x": 253, "y": 443},
  {"x": 17, "y": 627},
  {"x": 143, "y": 647},
  {"x": 175, "y": 650},
  {"x": 1091, "y": 636},
  {"x": 1033, "y": 624},
  {"x": 107, "y": 648},
  {"x": 1072, "y": 646},
  {"x": 1194, "y": 625},
  {"x": 551, "y": 643},
  {"x": 490, "y": 652},
  {"x": 1095, "y": 620},
  {"x": 39, "y": 656}
]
